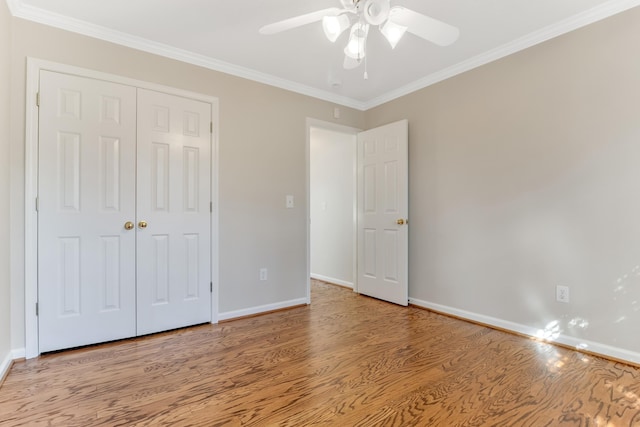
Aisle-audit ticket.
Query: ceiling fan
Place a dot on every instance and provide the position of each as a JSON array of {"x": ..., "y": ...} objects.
[{"x": 359, "y": 16}]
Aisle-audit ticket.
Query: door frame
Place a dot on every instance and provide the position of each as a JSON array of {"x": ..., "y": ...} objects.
[
  {"x": 315, "y": 123},
  {"x": 34, "y": 66}
]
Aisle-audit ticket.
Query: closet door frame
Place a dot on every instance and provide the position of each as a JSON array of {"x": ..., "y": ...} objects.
[{"x": 34, "y": 66}]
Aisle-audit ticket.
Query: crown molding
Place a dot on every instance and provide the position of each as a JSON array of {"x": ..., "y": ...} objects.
[
  {"x": 605, "y": 10},
  {"x": 585, "y": 18},
  {"x": 41, "y": 16},
  {"x": 13, "y": 6}
]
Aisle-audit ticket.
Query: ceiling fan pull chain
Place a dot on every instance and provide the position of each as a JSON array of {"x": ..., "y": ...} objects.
[{"x": 366, "y": 74}]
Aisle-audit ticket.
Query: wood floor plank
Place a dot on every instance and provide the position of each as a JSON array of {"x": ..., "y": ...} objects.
[{"x": 346, "y": 360}]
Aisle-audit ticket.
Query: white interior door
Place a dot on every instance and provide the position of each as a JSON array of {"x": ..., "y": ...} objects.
[
  {"x": 86, "y": 194},
  {"x": 382, "y": 212},
  {"x": 174, "y": 217}
]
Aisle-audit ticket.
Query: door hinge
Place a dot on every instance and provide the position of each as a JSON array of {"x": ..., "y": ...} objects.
[
  {"x": 211, "y": 287},
  {"x": 37, "y": 206},
  {"x": 37, "y": 99},
  {"x": 210, "y": 206},
  {"x": 37, "y": 309},
  {"x": 211, "y": 127}
]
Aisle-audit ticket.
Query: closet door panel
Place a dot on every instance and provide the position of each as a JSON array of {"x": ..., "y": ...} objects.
[
  {"x": 174, "y": 187},
  {"x": 86, "y": 194}
]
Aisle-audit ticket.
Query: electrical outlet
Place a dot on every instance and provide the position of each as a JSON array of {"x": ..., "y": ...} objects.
[
  {"x": 263, "y": 274},
  {"x": 562, "y": 294},
  {"x": 290, "y": 203}
]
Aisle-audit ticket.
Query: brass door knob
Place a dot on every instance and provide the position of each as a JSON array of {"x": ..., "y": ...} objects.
[
  {"x": 128, "y": 225},
  {"x": 142, "y": 224},
  {"x": 402, "y": 221}
]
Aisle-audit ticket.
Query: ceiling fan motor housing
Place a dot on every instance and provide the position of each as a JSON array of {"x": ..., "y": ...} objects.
[
  {"x": 376, "y": 11},
  {"x": 349, "y": 4}
]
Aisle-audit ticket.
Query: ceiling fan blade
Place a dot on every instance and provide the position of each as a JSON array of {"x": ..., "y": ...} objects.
[
  {"x": 299, "y": 21},
  {"x": 424, "y": 26}
]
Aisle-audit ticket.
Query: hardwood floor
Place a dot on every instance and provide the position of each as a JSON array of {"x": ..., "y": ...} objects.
[{"x": 346, "y": 360}]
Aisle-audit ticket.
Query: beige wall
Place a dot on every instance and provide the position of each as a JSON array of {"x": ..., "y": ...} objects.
[
  {"x": 5, "y": 108},
  {"x": 524, "y": 175},
  {"x": 262, "y": 159}
]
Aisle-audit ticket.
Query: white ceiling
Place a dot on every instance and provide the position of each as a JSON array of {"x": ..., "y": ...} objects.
[{"x": 223, "y": 35}]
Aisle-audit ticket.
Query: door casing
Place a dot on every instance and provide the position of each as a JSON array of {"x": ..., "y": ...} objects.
[{"x": 34, "y": 66}]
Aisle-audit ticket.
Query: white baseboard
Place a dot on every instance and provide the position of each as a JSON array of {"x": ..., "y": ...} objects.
[
  {"x": 332, "y": 280},
  {"x": 577, "y": 343},
  {"x": 5, "y": 366},
  {"x": 261, "y": 309}
]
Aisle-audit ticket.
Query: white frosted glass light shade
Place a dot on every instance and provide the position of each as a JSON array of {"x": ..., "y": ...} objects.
[
  {"x": 333, "y": 26},
  {"x": 357, "y": 41},
  {"x": 393, "y": 32}
]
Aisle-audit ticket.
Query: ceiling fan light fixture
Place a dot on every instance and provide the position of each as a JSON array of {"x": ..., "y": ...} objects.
[
  {"x": 357, "y": 40},
  {"x": 359, "y": 15},
  {"x": 355, "y": 48},
  {"x": 333, "y": 26},
  {"x": 393, "y": 32}
]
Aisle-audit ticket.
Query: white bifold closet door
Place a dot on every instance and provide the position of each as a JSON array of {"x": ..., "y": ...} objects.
[
  {"x": 112, "y": 159},
  {"x": 174, "y": 187}
]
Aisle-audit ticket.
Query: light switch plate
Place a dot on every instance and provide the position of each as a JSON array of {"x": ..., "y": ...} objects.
[{"x": 290, "y": 201}]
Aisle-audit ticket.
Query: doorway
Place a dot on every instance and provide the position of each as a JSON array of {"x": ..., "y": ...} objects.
[
  {"x": 332, "y": 172},
  {"x": 379, "y": 261}
]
